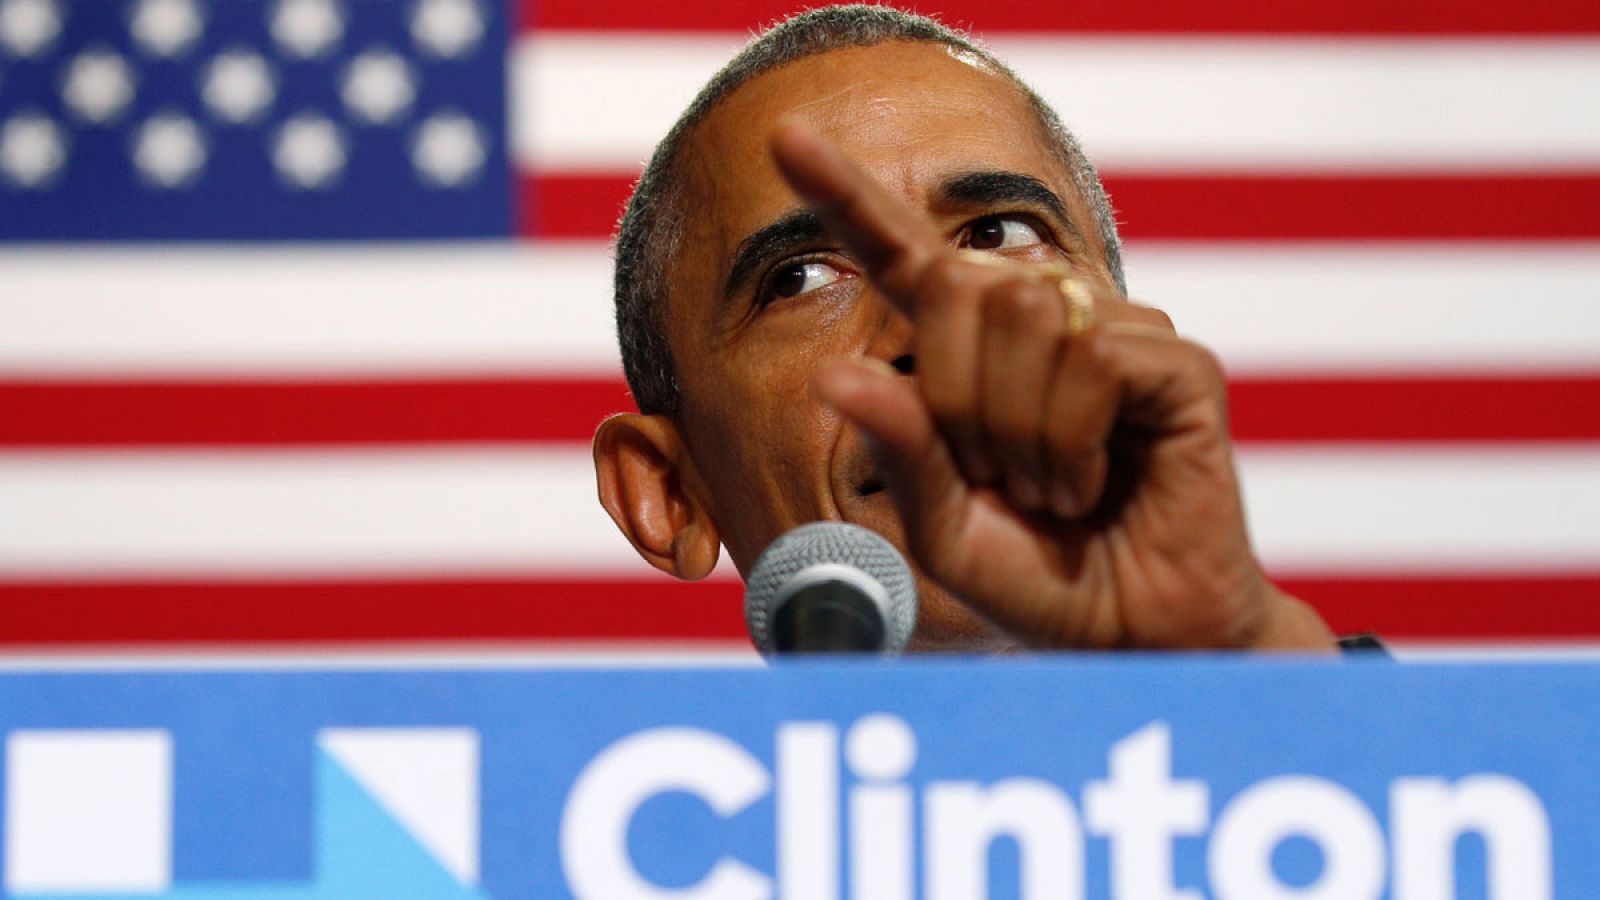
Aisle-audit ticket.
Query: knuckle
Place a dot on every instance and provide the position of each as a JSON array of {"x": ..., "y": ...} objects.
[
  {"x": 1017, "y": 305},
  {"x": 1151, "y": 315},
  {"x": 1203, "y": 363},
  {"x": 1098, "y": 349}
]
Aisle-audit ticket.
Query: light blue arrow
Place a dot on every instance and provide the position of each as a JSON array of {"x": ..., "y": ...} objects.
[{"x": 361, "y": 853}]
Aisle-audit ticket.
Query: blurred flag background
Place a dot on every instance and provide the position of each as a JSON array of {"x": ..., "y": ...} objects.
[{"x": 305, "y": 308}]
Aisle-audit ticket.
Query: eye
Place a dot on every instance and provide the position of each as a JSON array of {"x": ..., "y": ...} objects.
[
  {"x": 1001, "y": 233},
  {"x": 797, "y": 278}
]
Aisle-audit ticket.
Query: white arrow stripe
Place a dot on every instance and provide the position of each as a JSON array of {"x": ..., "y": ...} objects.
[{"x": 427, "y": 779}]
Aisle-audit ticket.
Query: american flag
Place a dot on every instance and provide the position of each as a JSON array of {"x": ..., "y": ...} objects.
[{"x": 305, "y": 308}]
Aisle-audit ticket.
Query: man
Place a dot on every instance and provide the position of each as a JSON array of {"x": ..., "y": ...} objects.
[{"x": 869, "y": 277}]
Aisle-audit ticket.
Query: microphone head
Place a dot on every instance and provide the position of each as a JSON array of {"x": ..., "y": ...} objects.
[{"x": 836, "y": 556}]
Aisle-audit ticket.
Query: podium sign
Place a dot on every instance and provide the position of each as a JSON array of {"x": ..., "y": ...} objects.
[{"x": 1163, "y": 777}]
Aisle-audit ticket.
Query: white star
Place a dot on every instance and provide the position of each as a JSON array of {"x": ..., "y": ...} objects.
[
  {"x": 308, "y": 152},
  {"x": 98, "y": 85},
  {"x": 32, "y": 150},
  {"x": 447, "y": 28},
  {"x": 169, "y": 150},
  {"x": 448, "y": 150},
  {"x": 307, "y": 28},
  {"x": 166, "y": 27},
  {"x": 28, "y": 26},
  {"x": 238, "y": 86},
  {"x": 378, "y": 86}
]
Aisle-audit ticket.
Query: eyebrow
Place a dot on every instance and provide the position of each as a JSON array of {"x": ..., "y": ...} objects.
[
  {"x": 992, "y": 188},
  {"x": 793, "y": 231}
]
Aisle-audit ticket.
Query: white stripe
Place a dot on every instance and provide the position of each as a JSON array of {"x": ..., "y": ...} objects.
[
  {"x": 1186, "y": 103},
  {"x": 547, "y": 308},
  {"x": 89, "y": 514},
  {"x": 312, "y": 309},
  {"x": 638, "y": 84},
  {"x": 342, "y": 511},
  {"x": 1393, "y": 307},
  {"x": 1446, "y": 652},
  {"x": 1387, "y": 508}
]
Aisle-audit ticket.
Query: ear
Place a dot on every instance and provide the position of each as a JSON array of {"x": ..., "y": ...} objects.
[{"x": 650, "y": 487}]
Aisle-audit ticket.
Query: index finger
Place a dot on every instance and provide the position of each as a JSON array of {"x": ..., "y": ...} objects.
[{"x": 893, "y": 240}]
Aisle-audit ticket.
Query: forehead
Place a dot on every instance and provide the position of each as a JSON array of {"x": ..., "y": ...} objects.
[{"x": 910, "y": 112}]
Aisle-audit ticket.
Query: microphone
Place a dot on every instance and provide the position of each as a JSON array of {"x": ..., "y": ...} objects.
[{"x": 829, "y": 587}]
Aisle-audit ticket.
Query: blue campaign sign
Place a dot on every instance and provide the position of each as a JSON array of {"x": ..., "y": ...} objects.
[{"x": 1151, "y": 778}]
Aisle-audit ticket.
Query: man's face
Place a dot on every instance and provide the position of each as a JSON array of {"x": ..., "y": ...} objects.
[{"x": 759, "y": 297}]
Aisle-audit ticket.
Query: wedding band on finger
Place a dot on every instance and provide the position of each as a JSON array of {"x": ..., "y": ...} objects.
[{"x": 1079, "y": 302}]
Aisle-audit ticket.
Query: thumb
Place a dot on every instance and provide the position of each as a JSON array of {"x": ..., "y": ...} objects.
[{"x": 914, "y": 462}]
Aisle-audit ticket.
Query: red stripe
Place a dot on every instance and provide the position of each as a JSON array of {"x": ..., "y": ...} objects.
[
  {"x": 1549, "y": 606},
  {"x": 134, "y": 612},
  {"x": 572, "y": 205},
  {"x": 1128, "y": 16},
  {"x": 1446, "y": 607},
  {"x": 1322, "y": 207},
  {"x": 1229, "y": 206},
  {"x": 1416, "y": 409},
  {"x": 132, "y": 414},
  {"x": 64, "y": 413}
]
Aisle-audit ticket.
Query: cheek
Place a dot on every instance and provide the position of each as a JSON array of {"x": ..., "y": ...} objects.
[
  {"x": 762, "y": 439},
  {"x": 771, "y": 423},
  {"x": 786, "y": 344},
  {"x": 762, "y": 373},
  {"x": 766, "y": 463}
]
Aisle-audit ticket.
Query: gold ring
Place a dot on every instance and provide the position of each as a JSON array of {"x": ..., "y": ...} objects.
[{"x": 1079, "y": 303}]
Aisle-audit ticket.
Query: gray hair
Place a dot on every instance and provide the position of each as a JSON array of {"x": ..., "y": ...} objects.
[{"x": 647, "y": 234}]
